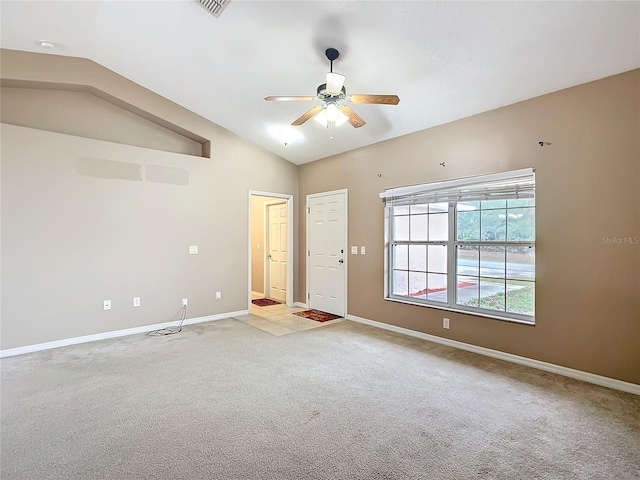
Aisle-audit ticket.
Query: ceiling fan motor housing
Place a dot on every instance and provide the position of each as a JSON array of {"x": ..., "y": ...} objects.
[{"x": 324, "y": 95}]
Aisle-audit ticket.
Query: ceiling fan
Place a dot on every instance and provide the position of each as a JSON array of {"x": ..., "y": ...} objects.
[{"x": 331, "y": 93}]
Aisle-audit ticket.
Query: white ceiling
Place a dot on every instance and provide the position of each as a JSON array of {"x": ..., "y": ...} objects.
[{"x": 445, "y": 60}]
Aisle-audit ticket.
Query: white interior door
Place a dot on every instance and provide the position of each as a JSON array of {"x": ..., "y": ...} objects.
[
  {"x": 327, "y": 252},
  {"x": 277, "y": 251}
]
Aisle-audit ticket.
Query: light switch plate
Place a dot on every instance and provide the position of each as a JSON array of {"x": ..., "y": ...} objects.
[
  {"x": 193, "y": 250},
  {"x": 362, "y": 250},
  {"x": 136, "y": 301},
  {"x": 354, "y": 250},
  {"x": 106, "y": 305}
]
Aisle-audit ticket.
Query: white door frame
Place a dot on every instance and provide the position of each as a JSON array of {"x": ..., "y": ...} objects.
[
  {"x": 346, "y": 243},
  {"x": 290, "y": 246}
]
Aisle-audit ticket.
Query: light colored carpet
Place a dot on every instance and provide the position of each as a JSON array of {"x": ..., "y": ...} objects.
[{"x": 224, "y": 400}]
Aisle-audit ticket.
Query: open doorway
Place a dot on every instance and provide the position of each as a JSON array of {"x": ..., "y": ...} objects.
[{"x": 270, "y": 247}]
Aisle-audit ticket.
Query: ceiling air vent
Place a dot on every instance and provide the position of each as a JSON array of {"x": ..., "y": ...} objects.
[{"x": 214, "y": 7}]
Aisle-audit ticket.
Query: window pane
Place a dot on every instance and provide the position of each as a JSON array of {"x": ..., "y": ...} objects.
[
  {"x": 493, "y": 225},
  {"x": 492, "y": 294},
  {"x": 469, "y": 225},
  {"x": 521, "y": 298},
  {"x": 521, "y": 263},
  {"x": 401, "y": 228},
  {"x": 521, "y": 224},
  {"x": 438, "y": 207},
  {"x": 468, "y": 291},
  {"x": 487, "y": 204},
  {"x": 438, "y": 226},
  {"x": 418, "y": 258},
  {"x": 400, "y": 283},
  {"x": 469, "y": 260},
  {"x": 400, "y": 257},
  {"x": 465, "y": 206},
  {"x": 401, "y": 210},
  {"x": 419, "y": 209},
  {"x": 438, "y": 258},
  {"x": 437, "y": 287},
  {"x": 417, "y": 284},
  {"x": 418, "y": 228},
  {"x": 521, "y": 202},
  {"x": 492, "y": 262}
]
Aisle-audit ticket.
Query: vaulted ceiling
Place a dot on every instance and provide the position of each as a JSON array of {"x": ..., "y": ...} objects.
[{"x": 445, "y": 60}]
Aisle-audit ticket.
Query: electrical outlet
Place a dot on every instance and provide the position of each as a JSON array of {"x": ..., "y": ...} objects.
[
  {"x": 185, "y": 302},
  {"x": 106, "y": 305},
  {"x": 445, "y": 323},
  {"x": 193, "y": 249},
  {"x": 218, "y": 295},
  {"x": 136, "y": 301}
]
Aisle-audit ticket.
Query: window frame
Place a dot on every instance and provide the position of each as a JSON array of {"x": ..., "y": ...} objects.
[{"x": 452, "y": 244}]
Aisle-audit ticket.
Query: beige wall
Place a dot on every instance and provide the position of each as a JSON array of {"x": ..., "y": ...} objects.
[
  {"x": 86, "y": 115},
  {"x": 85, "y": 219},
  {"x": 588, "y": 187}
]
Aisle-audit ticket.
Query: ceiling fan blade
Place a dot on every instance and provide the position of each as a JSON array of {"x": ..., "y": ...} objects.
[
  {"x": 377, "y": 99},
  {"x": 354, "y": 118},
  {"x": 286, "y": 98},
  {"x": 307, "y": 116}
]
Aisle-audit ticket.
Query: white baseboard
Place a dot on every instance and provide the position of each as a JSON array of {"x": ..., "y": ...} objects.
[
  {"x": 257, "y": 293},
  {"x": 300, "y": 305},
  {"x": 10, "y": 352},
  {"x": 529, "y": 362}
]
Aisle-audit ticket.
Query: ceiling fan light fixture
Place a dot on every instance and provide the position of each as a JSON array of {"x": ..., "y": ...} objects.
[
  {"x": 321, "y": 118},
  {"x": 340, "y": 120},
  {"x": 335, "y": 82},
  {"x": 330, "y": 114},
  {"x": 332, "y": 111}
]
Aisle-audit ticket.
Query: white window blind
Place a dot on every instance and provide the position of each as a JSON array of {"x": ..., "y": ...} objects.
[{"x": 514, "y": 184}]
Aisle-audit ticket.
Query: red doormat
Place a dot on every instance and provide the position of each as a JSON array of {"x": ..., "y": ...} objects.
[
  {"x": 317, "y": 315},
  {"x": 265, "y": 302}
]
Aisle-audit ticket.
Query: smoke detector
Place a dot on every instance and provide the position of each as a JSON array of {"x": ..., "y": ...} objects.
[{"x": 48, "y": 44}]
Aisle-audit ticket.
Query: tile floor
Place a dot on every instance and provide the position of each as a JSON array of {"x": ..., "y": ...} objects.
[{"x": 279, "y": 319}]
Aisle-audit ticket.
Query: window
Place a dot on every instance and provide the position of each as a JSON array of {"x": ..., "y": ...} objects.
[{"x": 465, "y": 245}]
